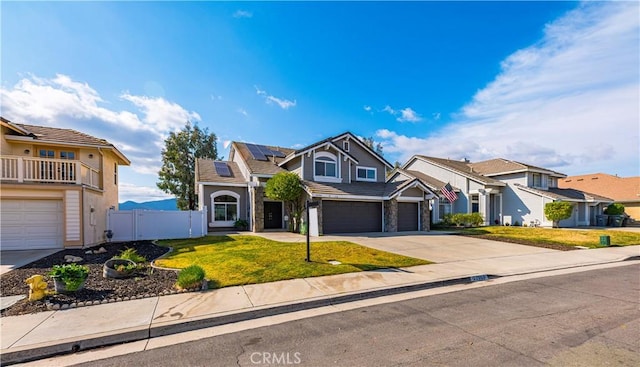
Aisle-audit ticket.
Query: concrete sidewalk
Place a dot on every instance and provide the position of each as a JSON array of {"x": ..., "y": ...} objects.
[{"x": 48, "y": 333}]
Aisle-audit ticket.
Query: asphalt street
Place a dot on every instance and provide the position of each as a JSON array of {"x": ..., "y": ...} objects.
[{"x": 590, "y": 318}]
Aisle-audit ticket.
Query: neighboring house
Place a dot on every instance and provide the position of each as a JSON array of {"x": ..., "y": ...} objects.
[
  {"x": 624, "y": 190},
  {"x": 505, "y": 192},
  {"x": 57, "y": 186},
  {"x": 346, "y": 177}
]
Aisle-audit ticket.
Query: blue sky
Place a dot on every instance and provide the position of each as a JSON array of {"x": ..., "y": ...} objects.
[{"x": 554, "y": 84}]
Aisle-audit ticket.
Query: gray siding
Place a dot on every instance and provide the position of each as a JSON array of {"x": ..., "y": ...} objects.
[{"x": 244, "y": 202}]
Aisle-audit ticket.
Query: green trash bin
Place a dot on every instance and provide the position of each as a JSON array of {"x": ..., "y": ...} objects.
[
  {"x": 605, "y": 240},
  {"x": 303, "y": 228}
]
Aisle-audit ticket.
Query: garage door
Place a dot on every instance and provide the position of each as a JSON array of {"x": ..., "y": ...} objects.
[
  {"x": 351, "y": 217},
  {"x": 31, "y": 224},
  {"x": 407, "y": 216}
]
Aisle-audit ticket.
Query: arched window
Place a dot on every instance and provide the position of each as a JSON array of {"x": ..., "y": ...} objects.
[
  {"x": 226, "y": 205},
  {"x": 325, "y": 167}
]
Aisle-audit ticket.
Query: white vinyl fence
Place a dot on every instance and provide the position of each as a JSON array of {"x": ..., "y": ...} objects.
[{"x": 138, "y": 225}]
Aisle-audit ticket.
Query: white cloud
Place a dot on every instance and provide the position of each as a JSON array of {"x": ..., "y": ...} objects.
[
  {"x": 367, "y": 108},
  {"x": 243, "y": 112},
  {"x": 406, "y": 114},
  {"x": 63, "y": 102},
  {"x": 242, "y": 14},
  {"x": 283, "y": 103},
  {"x": 569, "y": 102},
  {"x": 226, "y": 144}
]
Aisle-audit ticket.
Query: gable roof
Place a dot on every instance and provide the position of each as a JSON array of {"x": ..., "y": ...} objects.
[
  {"x": 269, "y": 167},
  {"x": 501, "y": 166},
  {"x": 58, "y": 136},
  {"x": 621, "y": 189},
  {"x": 459, "y": 167},
  {"x": 206, "y": 173},
  {"x": 331, "y": 141},
  {"x": 359, "y": 190},
  {"x": 565, "y": 194}
]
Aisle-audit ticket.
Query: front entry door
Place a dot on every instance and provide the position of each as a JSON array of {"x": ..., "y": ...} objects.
[{"x": 272, "y": 214}]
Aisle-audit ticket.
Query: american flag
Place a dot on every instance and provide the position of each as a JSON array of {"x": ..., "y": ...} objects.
[{"x": 447, "y": 191}]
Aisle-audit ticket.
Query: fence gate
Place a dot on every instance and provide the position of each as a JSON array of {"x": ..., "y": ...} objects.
[{"x": 138, "y": 225}]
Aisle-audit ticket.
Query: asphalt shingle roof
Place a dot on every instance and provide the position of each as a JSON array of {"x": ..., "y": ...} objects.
[
  {"x": 269, "y": 167},
  {"x": 207, "y": 172},
  {"x": 501, "y": 165},
  {"x": 375, "y": 189},
  {"x": 565, "y": 194},
  {"x": 463, "y": 168}
]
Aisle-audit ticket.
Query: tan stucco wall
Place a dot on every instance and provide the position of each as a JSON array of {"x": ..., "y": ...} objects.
[{"x": 632, "y": 210}]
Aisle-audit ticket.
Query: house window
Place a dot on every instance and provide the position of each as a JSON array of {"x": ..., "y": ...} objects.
[
  {"x": 115, "y": 173},
  {"x": 326, "y": 167},
  {"x": 552, "y": 182},
  {"x": 365, "y": 174},
  {"x": 225, "y": 208},
  {"x": 475, "y": 208},
  {"x": 537, "y": 180},
  {"x": 46, "y": 168},
  {"x": 68, "y": 169},
  {"x": 345, "y": 145}
]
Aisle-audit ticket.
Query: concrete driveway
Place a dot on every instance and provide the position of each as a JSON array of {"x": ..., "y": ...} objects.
[
  {"x": 436, "y": 246},
  {"x": 10, "y": 260}
]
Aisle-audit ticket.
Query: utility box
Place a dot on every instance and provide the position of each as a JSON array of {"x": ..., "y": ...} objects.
[{"x": 605, "y": 240}]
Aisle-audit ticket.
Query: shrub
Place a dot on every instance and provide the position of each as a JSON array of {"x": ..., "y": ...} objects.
[
  {"x": 131, "y": 254},
  {"x": 190, "y": 277},
  {"x": 72, "y": 275},
  {"x": 474, "y": 219},
  {"x": 557, "y": 211},
  {"x": 614, "y": 209}
]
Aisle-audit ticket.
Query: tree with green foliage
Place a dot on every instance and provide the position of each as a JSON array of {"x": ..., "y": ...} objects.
[
  {"x": 614, "y": 209},
  {"x": 287, "y": 186},
  {"x": 181, "y": 149},
  {"x": 557, "y": 211},
  {"x": 375, "y": 146}
]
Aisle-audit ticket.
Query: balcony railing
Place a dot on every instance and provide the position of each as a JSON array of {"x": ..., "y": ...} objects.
[{"x": 42, "y": 170}]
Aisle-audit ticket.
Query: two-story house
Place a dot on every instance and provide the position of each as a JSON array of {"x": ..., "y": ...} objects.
[
  {"x": 57, "y": 186},
  {"x": 346, "y": 177},
  {"x": 505, "y": 191}
]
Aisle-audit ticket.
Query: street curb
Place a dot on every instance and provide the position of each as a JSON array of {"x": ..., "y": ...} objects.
[{"x": 73, "y": 345}]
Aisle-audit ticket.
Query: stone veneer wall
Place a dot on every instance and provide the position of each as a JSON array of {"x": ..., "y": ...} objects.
[
  {"x": 391, "y": 215},
  {"x": 425, "y": 216},
  {"x": 257, "y": 219}
]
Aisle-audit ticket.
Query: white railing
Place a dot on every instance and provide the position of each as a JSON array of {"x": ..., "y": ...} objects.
[{"x": 42, "y": 170}]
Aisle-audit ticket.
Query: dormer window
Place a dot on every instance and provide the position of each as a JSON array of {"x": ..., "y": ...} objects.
[
  {"x": 345, "y": 145},
  {"x": 326, "y": 167}
]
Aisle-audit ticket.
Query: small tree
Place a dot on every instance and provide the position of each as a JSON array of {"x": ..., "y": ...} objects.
[
  {"x": 181, "y": 149},
  {"x": 557, "y": 211},
  {"x": 286, "y": 186}
]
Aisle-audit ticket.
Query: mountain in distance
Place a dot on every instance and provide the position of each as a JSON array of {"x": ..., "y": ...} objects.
[{"x": 167, "y": 204}]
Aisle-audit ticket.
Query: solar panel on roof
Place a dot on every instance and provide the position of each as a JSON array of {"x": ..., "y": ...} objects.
[
  {"x": 256, "y": 153},
  {"x": 268, "y": 151},
  {"x": 222, "y": 169}
]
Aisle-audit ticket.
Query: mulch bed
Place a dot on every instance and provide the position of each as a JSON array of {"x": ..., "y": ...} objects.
[{"x": 145, "y": 283}]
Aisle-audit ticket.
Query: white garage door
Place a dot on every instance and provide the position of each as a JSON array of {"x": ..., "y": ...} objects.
[{"x": 31, "y": 224}]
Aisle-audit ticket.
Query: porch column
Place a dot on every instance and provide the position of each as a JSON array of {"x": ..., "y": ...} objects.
[
  {"x": 258, "y": 209},
  {"x": 391, "y": 215},
  {"x": 425, "y": 216},
  {"x": 483, "y": 206}
]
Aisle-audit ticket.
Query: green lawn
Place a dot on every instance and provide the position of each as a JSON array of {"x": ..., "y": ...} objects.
[
  {"x": 241, "y": 259},
  {"x": 568, "y": 237}
]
